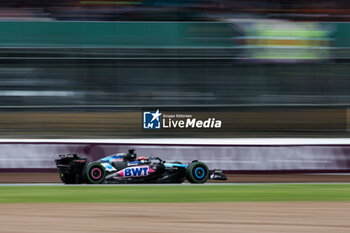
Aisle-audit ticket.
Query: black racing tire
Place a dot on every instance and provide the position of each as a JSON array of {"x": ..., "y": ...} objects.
[
  {"x": 197, "y": 172},
  {"x": 95, "y": 173},
  {"x": 69, "y": 178}
]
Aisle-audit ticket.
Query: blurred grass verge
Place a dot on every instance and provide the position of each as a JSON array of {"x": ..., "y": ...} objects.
[{"x": 185, "y": 193}]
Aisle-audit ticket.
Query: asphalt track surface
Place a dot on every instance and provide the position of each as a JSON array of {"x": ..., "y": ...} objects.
[{"x": 247, "y": 217}]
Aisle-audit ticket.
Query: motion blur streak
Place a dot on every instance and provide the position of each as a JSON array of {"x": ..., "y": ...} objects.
[{"x": 287, "y": 61}]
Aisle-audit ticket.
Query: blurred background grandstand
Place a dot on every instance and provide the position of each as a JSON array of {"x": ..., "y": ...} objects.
[{"x": 86, "y": 68}]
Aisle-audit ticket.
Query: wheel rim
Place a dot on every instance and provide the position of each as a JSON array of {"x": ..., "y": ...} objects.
[
  {"x": 96, "y": 173},
  {"x": 199, "y": 172}
]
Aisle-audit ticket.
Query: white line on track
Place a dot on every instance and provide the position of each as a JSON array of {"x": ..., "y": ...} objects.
[
  {"x": 196, "y": 141},
  {"x": 183, "y": 184}
]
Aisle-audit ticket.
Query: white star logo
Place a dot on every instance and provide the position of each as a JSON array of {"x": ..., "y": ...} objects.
[{"x": 156, "y": 115}]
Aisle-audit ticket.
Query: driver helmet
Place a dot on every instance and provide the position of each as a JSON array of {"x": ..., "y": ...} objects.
[{"x": 131, "y": 155}]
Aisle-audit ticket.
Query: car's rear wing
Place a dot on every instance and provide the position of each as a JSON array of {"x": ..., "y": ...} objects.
[{"x": 70, "y": 163}]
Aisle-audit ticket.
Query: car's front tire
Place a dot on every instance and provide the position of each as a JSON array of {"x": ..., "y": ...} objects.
[{"x": 197, "y": 172}]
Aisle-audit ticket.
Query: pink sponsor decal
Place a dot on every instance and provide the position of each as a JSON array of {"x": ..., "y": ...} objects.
[{"x": 136, "y": 171}]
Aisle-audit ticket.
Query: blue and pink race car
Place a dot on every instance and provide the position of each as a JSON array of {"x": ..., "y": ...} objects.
[{"x": 125, "y": 168}]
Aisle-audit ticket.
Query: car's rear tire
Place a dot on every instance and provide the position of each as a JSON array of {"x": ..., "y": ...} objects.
[
  {"x": 95, "y": 173},
  {"x": 197, "y": 172}
]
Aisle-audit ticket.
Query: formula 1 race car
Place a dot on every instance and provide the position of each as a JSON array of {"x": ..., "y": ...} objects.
[{"x": 125, "y": 168}]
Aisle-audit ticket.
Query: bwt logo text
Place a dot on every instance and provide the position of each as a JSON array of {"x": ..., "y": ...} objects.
[
  {"x": 135, "y": 171},
  {"x": 151, "y": 120}
]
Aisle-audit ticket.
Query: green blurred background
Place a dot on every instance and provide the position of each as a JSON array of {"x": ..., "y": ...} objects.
[{"x": 86, "y": 69}]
